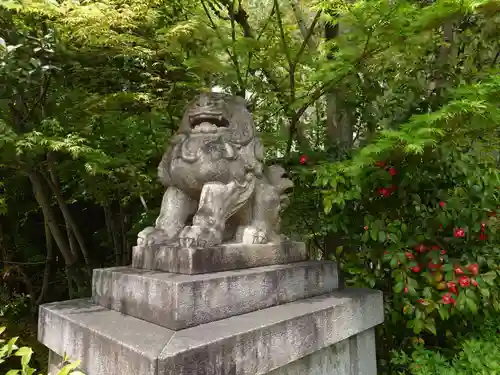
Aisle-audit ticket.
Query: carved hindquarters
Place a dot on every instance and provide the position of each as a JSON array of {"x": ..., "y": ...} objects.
[{"x": 269, "y": 200}]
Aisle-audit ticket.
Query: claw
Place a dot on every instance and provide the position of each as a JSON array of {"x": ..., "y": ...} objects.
[
  {"x": 196, "y": 236},
  {"x": 151, "y": 236}
]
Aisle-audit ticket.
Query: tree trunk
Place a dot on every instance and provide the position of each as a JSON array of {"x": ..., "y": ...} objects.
[
  {"x": 44, "y": 203},
  {"x": 339, "y": 123},
  {"x": 68, "y": 217},
  {"x": 126, "y": 253},
  {"x": 48, "y": 265},
  {"x": 112, "y": 233}
]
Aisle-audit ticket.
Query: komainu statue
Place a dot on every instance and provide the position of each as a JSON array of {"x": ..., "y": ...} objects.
[{"x": 217, "y": 188}]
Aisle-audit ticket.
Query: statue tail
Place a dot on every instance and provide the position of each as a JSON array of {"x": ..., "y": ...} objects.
[{"x": 277, "y": 176}]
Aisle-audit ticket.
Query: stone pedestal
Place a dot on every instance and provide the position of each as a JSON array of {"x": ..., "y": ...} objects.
[{"x": 280, "y": 316}]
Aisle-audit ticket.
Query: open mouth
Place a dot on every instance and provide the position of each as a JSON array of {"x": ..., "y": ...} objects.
[{"x": 208, "y": 122}]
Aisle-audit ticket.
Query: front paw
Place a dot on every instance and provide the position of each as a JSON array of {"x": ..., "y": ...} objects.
[
  {"x": 252, "y": 235},
  {"x": 151, "y": 236},
  {"x": 195, "y": 236}
]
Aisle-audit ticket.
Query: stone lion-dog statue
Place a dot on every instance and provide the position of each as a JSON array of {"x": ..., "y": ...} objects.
[{"x": 217, "y": 187}]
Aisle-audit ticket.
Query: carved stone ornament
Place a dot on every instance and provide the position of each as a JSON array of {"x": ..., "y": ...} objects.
[{"x": 217, "y": 188}]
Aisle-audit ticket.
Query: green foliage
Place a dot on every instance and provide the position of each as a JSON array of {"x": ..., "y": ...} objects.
[
  {"x": 9, "y": 349},
  {"x": 477, "y": 353},
  {"x": 91, "y": 91}
]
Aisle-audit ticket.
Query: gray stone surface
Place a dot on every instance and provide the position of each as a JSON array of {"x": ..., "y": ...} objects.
[
  {"x": 226, "y": 257},
  {"x": 217, "y": 188},
  {"x": 353, "y": 356},
  {"x": 105, "y": 341},
  {"x": 178, "y": 301},
  {"x": 256, "y": 343},
  {"x": 55, "y": 363}
]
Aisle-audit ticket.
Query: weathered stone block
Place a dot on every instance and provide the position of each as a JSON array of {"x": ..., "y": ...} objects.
[
  {"x": 106, "y": 341},
  {"x": 255, "y": 343},
  {"x": 353, "y": 356},
  {"x": 178, "y": 301},
  {"x": 225, "y": 257}
]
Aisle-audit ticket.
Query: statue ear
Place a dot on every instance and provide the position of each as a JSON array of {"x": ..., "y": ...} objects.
[{"x": 248, "y": 104}]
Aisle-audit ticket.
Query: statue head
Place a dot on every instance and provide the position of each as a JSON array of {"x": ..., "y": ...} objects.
[{"x": 218, "y": 114}]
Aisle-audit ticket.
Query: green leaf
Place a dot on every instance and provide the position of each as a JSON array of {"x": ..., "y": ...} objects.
[
  {"x": 471, "y": 305},
  {"x": 430, "y": 325},
  {"x": 398, "y": 288},
  {"x": 69, "y": 367},
  {"x": 24, "y": 351}
]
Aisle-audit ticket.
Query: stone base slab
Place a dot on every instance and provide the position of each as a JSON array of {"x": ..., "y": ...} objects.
[
  {"x": 108, "y": 342},
  {"x": 191, "y": 261},
  {"x": 178, "y": 301},
  {"x": 353, "y": 356}
]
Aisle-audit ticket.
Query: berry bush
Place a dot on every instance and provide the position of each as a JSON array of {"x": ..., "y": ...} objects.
[{"x": 415, "y": 213}]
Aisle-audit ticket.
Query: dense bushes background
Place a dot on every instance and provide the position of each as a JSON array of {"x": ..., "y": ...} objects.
[{"x": 386, "y": 113}]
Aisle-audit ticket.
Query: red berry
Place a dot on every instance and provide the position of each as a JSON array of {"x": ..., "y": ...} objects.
[
  {"x": 420, "y": 248},
  {"x": 452, "y": 286},
  {"x": 416, "y": 269},
  {"x": 405, "y": 289},
  {"x": 380, "y": 164},
  {"x": 303, "y": 159},
  {"x": 483, "y": 225},
  {"x": 384, "y": 192},
  {"x": 459, "y": 233},
  {"x": 483, "y": 237},
  {"x": 441, "y": 226},
  {"x": 443, "y": 252},
  {"x": 409, "y": 255},
  {"x": 365, "y": 227},
  {"x": 393, "y": 171},
  {"x": 442, "y": 204},
  {"x": 473, "y": 268},
  {"x": 458, "y": 270},
  {"x": 448, "y": 299},
  {"x": 464, "y": 281},
  {"x": 421, "y": 300},
  {"x": 474, "y": 282}
]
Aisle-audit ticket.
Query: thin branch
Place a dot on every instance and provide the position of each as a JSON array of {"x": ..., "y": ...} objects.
[
  {"x": 308, "y": 37},
  {"x": 236, "y": 62},
  {"x": 250, "y": 54},
  {"x": 315, "y": 238},
  {"x": 282, "y": 33},
  {"x": 217, "y": 12},
  {"x": 41, "y": 97},
  {"x": 495, "y": 59},
  {"x": 231, "y": 56},
  {"x": 22, "y": 263}
]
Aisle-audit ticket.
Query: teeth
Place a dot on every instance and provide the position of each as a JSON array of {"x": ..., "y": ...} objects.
[{"x": 205, "y": 127}]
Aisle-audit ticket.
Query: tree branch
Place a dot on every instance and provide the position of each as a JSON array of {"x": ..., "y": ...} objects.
[
  {"x": 307, "y": 37},
  {"x": 233, "y": 58}
]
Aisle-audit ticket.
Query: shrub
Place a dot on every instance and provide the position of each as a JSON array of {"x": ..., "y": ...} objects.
[
  {"x": 416, "y": 212},
  {"x": 9, "y": 350},
  {"x": 478, "y": 354}
]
